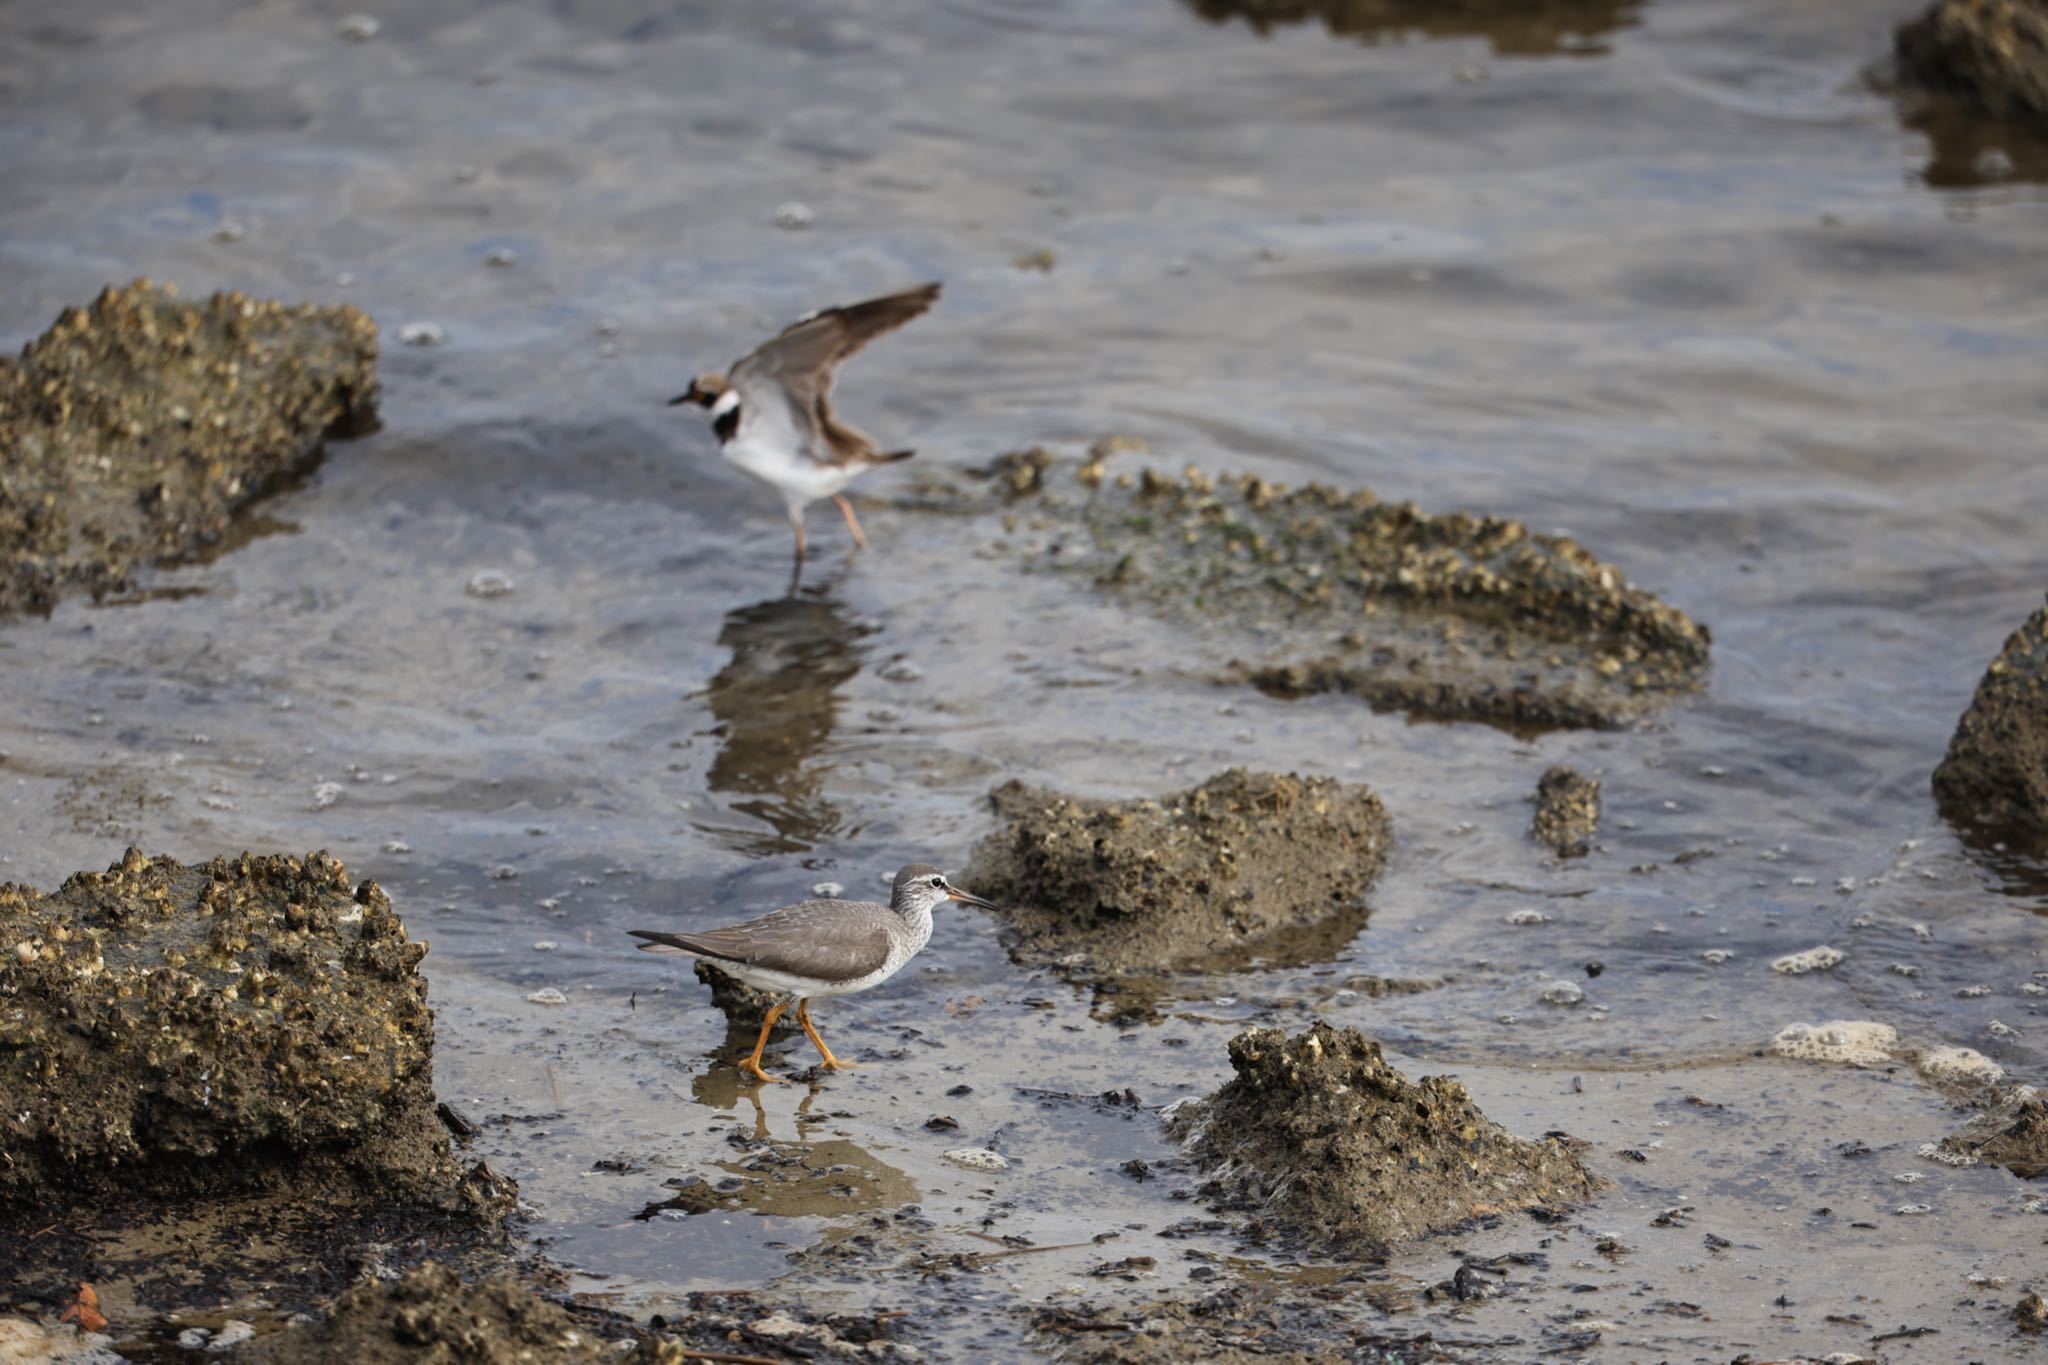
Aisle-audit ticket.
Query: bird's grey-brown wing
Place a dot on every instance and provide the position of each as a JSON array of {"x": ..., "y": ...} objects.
[
  {"x": 799, "y": 366},
  {"x": 828, "y": 940}
]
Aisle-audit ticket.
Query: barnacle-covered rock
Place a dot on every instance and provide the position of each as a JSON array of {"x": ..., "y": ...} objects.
[
  {"x": 134, "y": 428},
  {"x": 1322, "y": 1140}
]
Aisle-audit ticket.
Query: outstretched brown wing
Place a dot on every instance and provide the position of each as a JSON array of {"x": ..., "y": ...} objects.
[
  {"x": 805, "y": 359},
  {"x": 825, "y": 940}
]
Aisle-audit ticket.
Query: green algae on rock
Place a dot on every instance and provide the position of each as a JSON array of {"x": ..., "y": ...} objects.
[
  {"x": 178, "y": 1030},
  {"x": 1313, "y": 589},
  {"x": 1209, "y": 878},
  {"x": 134, "y": 428},
  {"x": 1996, "y": 772},
  {"x": 1319, "y": 1138},
  {"x": 1567, "y": 811}
]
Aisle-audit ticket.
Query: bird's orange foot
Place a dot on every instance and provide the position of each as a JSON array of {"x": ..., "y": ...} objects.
[
  {"x": 752, "y": 1066},
  {"x": 832, "y": 1063}
]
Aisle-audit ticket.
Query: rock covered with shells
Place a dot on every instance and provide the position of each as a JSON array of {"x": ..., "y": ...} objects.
[
  {"x": 1996, "y": 772},
  {"x": 1567, "y": 811},
  {"x": 1314, "y": 589},
  {"x": 1320, "y": 1139},
  {"x": 134, "y": 428},
  {"x": 1205, "y": 878},
  {"x": 173, "y": 1028}
]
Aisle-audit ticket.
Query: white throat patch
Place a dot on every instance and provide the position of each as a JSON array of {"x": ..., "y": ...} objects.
[{"x": 727, "y": 401}]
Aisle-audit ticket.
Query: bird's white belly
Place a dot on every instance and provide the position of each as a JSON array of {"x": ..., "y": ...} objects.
[
  {"x": 780, "y": 983},
  {"x": 798, "y": 477}
]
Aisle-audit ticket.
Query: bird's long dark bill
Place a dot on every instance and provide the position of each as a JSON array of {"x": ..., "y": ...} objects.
[
  {"x": 968, "y": 898},
  {"x": 682, "y": 398}
]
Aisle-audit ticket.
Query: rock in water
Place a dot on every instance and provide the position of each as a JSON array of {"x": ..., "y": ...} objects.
[
  {"x": 1206, "y": 878},
  {"x": 1345, "y": 1155},
  {"x": 2012, "y": 1133},
  {"x": 133, "y": 429},
  {"x": 1567, "y": 811},
  {"x": 179, "y": 1031},
  {"x": 1315, "y": 590},
  {"x": 1992, "y": 52},
  {"x": 1996, "y": 772}
]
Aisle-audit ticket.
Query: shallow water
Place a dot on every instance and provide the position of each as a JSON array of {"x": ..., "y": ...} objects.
[{"x": 1671, "y": 278}]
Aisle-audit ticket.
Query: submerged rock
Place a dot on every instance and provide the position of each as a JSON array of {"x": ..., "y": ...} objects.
[
  {"x": 1992, "y": 52},
  {"x": 1567, "y": 811},
  {"x": 1206, "y": 878},
  {"x": 1315, "y": 590},
  {"x": 133, "y": 429},
  {"x": 208, "y": 1028},
  {"x": 1514, "y": 27},
  {"x": 2013, "y": 1134},
  {"x": 1996, "y": 772},
  {"x": 1339, "y": 1151}
]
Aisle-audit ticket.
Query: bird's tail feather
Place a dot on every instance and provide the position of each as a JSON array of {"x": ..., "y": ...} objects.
[
  {"x": 662, "y": 943},
  {"x": 890, "y": 456}
]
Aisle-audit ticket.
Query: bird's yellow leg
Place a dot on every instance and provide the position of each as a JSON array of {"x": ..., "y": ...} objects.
[
  {"x": 860, "y": 542},
  {"x": 803, "y": 1016},
  {"x": 752, "y": 1065}
]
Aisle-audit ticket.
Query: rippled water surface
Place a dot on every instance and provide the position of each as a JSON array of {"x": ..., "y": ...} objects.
[{"x": 1669, "y": 276}]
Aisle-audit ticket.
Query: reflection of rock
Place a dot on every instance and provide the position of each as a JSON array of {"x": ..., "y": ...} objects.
[
  {"x": 794, "y": 1180},
  {"x": 1996, "y": 773},
  {"x": 776, "y": 703},
  {"x": 1516, "y": 28},
  {"x": 1206, "y": 878},
  {"x": 1317, "y": 1134},
  {"x": 2012, "y": 1134},
  {"x": 1567, "y": 811},
  {"x": 132, "y": 430},
  {"x": 1992, "y": 52},
  {"x": 1315, "y": 590}
]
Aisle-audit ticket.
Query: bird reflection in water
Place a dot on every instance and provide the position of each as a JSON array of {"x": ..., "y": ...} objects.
[{"x": 776, "y": 703}]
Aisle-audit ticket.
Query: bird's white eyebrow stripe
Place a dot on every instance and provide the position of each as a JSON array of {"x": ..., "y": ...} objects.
[{"x": 727, "y": 401}]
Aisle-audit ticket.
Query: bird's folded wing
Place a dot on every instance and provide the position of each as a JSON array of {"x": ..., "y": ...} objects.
[{"x": 827, "y": 944}]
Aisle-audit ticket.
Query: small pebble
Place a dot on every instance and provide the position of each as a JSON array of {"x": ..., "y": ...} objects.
[
  {"x": 232, "y": 1333},
  {"x": 326, "y": 794},
  {"x": 501, "y": 256},
  {"x": 794, "y": 216},
  {"x": 1563, "y": 993},
  {"x": 978, "y": 1159},
  {"x": 487, "y": 583},
  {"x": 229, "y": 231},
  {"x": 547, "y": 995},
  {"x": 1812, "y": 960},
  {"x": 423, "y": 334},
  {"x": 359, "y": 28},
  {"x": 830, "y": 891}
]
